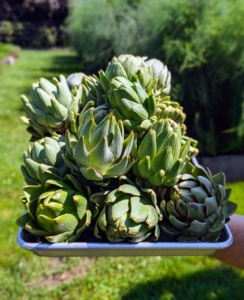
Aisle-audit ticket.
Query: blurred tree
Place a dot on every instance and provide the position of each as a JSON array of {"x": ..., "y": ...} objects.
[
  {"x": 200, "y": 41},
  {"x": 49, "y": 15}
]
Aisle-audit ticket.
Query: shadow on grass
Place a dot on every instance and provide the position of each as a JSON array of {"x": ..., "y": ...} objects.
[
  {"x": 222, "y": 283},
  {"x": 65, "y": 64}
]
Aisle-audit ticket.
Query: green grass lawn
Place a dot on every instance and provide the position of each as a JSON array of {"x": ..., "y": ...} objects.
[{"x": 25, "y": 276}]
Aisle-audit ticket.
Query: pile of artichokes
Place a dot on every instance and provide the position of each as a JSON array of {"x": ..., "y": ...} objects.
[{"x": 110, "y": 157}]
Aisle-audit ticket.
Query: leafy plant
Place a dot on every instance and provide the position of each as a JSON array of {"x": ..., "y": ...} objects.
[{"x": 202, "y": 42}]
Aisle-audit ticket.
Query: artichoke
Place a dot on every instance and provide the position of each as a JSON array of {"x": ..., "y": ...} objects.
[
  {"x": 74, "y": 81},
  {"x": 92, "y": 91},
  {"x": 160, "y": 156},
  {"x": 101, "y": 150},
  {"x": 193, "y": 150},
  {"x": 131, "y": 104},
  {"x": 129, "y": 214},
  {"x": 126, "y": 66},
  {"x": 160, "y": 71},
  {"x": 168, "y": 109},
  {"x": 43, "y": 161},
  {"x": 197, "y": 207},
  {"x": 60, "y": 214},
  {"x": 52, "y": 108},
  {"x": 45, "y": 154}
]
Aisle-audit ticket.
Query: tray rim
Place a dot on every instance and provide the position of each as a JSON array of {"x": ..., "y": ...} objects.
[{"x": 86, "y": 246}]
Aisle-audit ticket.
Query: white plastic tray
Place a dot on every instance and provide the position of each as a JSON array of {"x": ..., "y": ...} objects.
[{"x": 89, "y": 246}]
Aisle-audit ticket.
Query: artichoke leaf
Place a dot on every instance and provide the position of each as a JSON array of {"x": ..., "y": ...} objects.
[
  {"x": 59, "y": 238},
  {"x": 121, "y": 168},
  {"x": 86, "y": 223},
  {"x": 199, "y": 193},
  {"x": 100, "y": 156},
  {"x": 140, "y": 238},
  {"x": 211, "y": 205},
  {"x": 157, "y": 179},
  {"x": 196, "y": 211},
  {"x": 178, "y": 224},
  {"x": 163, "y": 160},
  {"x": 81, "y": 204},
  {"x": 119, "y": 208},
  {"x": 152, "y": 217},
  {"x": 188, "y": 184},
  {"x": 211, "y": 237},
  {"x": 148, "y": 146},
  {"x": 170, "y": 208},
  {"x": 129, "y": 189},
  {"x": 218, "y": 179},
  {"x": 58, "y": 110},
  {"x": 144, "y": 167},
  {"x": 139, "y": 209},
  {"x": 91, "y": 174},
  {"x": 228, "y": 208},
  {"x": 197, "y": 227},
  {"x": 102, "y": 221},
  {"x": 30, "y": 225},
  {"x": 206, "y": 184},
  {"x": 218, "y": 224},
  {"x": 136, "y": 111},
  {"x": 168, "y": 228}
]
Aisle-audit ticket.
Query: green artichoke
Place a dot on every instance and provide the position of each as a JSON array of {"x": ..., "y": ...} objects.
[
  {"x": 129, "y": 214},
  {"x": 74, "y": 81},
  {"x": 101, "y": 150},
  {"x": 52, "y": 108},
  {"x": 197, "y": 207},
  {"x": 160, "y": 156},
  {"x": 60, "y": 214},
  {"x": 45, "y": 154},
  {"x": 168, "y": 109},
  {"x": 92, "y": 91},
  {"x": 160, "y": 71},
  {"x": 126, "y": 66},
  {"x": 131, "y": 104},
  {"x": 193, "y": 150},
  {"x": 43, "y": 161}
]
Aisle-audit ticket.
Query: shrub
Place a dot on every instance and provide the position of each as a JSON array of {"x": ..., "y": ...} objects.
[
  {"x": 101, "y": 29},
  {"x": 200, "y": 41}
]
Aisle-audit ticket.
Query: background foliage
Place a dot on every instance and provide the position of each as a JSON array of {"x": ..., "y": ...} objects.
[
  {"x": 33, "y": 23},
  {"x": 201, "y": 43}
]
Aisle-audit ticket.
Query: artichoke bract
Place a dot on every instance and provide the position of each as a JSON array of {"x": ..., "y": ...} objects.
[
  {"x": 131, "y": 103},
  {"x": 43, "y": 161},
  {"x": 160, "y": 71},
  {"x": 74, "y": 81},
  {"x": 160, "y": 156},
  {"x": 45, "y": 154},
  {"x": 60, "y": 214},
  {"x": 52, "y": 108},
  {"x": 92, "y": 91},
  {"x": 169, "y": 109},
  {"x": 129, "y": 214},
  {"x": 101, "y": 150},
  {"x": 197, "y": 207}
]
